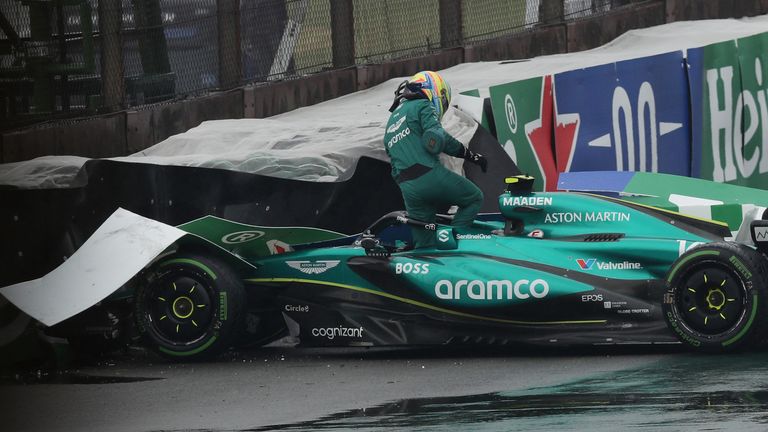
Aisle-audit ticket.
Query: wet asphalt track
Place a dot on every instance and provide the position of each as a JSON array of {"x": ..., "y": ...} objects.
[{"x": 595, "y": 389}]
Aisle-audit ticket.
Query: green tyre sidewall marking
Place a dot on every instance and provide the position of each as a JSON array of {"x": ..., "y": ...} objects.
[
  {"x": 197, "y": 350},
  {"x": 687, "y": 259},
  {"x": 193, "y": 262}
]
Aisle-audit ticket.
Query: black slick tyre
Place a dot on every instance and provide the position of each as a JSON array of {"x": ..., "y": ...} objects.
[
  {"x": 716, "y": 299},
  {"x": 190, "y": 307}
]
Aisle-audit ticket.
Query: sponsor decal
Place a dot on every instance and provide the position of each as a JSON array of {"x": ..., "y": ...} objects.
[
  {"x": 672, "y": 320},
  {"x": 684, "y": 246},
  {"x": 473, "y": 236},
  {"x": 241, "y": 237},
  {"x": 740, "y": 267},
  {"x": 400, "y": 135},
  {"x": 761, "y": 233},
  {"x": 537, "y": 233},
  {"x": 222, "y": 306},
  {"x": 332, "y": 332},
  {"x": 592, "y": 298},
  {"x": 574, "y": 217},
  {"x": 277, "y": 247},
  {"x": 588, "y": 264},
  {"x": 633, "y": 311},
  {"x": 614, "y": 304},
  {"x": 396, "y": 125},
  {"x": 313, "y": 267},
  {"x": 511, "y": 111},
  {"x": 527, "y": 201},
  {"x": 492, "y": 289},
  {"x": 443, "y": 235},
  {"x": 412, "y": 268},
  {"x": 431, "y": 144},
  {"x": 296, "y": 308}
]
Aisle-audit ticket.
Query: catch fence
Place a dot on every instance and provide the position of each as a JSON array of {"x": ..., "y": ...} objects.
[{"x": 69, "y": 58}]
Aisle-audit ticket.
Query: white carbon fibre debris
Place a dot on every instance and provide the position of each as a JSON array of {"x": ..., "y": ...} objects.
[{"x": 123, "y": 245}]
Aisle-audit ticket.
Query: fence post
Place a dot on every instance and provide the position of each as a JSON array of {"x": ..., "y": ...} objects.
[
  {"x": 551, "y": 12},
  {"x": 230, "y": 58},
  {"x": 342, "y": 33},
  {"x": 153, "y": 48},
  {"x": 112, "y": 72},
  {"x": 451, "y": 33}
]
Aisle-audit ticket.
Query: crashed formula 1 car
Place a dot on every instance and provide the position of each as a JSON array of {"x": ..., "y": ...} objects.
[{"x": 556, "y": 268}]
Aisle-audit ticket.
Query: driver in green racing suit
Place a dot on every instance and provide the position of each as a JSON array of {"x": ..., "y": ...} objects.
[{"x": 414, "y": 140}]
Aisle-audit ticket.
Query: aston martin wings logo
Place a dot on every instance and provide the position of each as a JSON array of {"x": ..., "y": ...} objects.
[
  {"x": 396, "y": 125},
  {"x": 313, "y": 267}
]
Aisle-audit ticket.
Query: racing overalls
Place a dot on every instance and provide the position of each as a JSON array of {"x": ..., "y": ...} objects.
[{"x": 427, "y": 186}]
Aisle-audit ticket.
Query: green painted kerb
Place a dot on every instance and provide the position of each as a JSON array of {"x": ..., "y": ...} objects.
[
  {"x": 197, "y": 264},
  {"x": 688, "y": 258},
  {"x": 197, "y": 350},
  {"x": 746, "y": 328}
]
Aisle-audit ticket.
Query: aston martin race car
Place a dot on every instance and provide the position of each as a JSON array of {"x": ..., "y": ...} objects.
[{"x": 550, "y": 268}]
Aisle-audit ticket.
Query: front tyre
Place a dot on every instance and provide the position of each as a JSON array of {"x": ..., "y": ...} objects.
[
  {"x": 190, "y": 308},
  {"x": 716, "y": 300}
]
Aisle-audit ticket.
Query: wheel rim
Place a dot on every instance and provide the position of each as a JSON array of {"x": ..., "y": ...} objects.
[
  {"x": 712, "y": 299},
  {"x": 181, "y": 307}
]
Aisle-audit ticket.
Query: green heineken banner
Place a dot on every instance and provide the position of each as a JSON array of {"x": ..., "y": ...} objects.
[
  {"x": 750, "y": 140},
  {"x": 728, "y": 111},
  {"x": 522, "y": 112}
]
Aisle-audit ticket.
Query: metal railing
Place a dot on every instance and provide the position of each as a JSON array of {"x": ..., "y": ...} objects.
[{"x": 68, "y": 58}]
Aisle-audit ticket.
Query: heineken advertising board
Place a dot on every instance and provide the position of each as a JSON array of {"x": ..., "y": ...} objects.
[
  {"x": 729, "y": 111},
  {"x": 631, "y": 115},
  {"x": 522, "y": 112}
]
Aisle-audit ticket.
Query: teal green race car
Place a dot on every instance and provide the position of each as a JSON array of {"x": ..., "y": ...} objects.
[{"x": 554, "y": 269}]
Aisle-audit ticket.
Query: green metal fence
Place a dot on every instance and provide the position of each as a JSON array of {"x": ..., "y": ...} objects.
[{"x": 69, "y": 58}]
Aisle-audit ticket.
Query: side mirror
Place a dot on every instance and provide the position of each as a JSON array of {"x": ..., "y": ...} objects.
[{"x": 446, "y": 239}]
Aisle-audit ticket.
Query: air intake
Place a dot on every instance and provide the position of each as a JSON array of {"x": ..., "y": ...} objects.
[{"x": 607, "y": 237}]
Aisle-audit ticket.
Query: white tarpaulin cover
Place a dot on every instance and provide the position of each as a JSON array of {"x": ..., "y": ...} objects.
[
  {"x": 323, "y": 142},
  {"x": 122, "y": 246}
]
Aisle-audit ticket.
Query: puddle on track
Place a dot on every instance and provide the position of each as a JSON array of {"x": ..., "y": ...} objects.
[
  {"x": 728, "y": 392},
  {"x": 71, "y": 378}
]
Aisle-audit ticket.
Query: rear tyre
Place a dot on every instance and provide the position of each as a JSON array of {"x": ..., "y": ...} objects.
[
  {"x": 716, "y": 301},
  {"x": 191, "y": 307}
]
